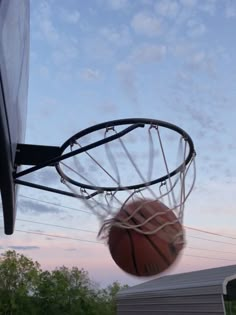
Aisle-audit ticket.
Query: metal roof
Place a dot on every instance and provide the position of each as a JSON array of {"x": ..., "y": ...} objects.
[{"x": 191, "y": 283}]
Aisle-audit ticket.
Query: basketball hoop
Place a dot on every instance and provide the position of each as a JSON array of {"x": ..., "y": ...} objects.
[
  {"x": 111, "y": 164},
  {"x": 134, "y": 159}
]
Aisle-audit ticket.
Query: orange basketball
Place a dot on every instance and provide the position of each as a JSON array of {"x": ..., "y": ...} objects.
[{"x": 146, "y": 254}]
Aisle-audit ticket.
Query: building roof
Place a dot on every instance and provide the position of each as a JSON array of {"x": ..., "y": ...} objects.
[{"x": 212, "y": 280}]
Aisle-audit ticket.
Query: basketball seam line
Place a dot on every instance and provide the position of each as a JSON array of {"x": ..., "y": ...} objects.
[
  {"x": 133, "y": 252},
  {"x": 153, "y": 245}
]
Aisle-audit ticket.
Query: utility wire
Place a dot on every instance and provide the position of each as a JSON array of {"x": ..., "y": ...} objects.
[
  {"x": 55, "y": 225},
  {"x": 215, "y": 241},
  {"x": 212, "y": 233},
  {"x": 56, "y": 236},
  {"x": 94, "y": 232},
  {"x": 71, "y": 228},
  {"x": 79, "y": 210},
  {"x": 210, "y": 250},
  {"x": 88, "y": 241},
  {"x": 206, "y": 257}
]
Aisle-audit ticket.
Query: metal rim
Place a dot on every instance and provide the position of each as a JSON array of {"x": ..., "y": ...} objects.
[{"x": 119, "y": 122}]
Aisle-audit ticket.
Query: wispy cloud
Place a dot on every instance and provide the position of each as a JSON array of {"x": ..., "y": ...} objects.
[
  {"x": 63, "y": 49},
  {"x": 70, "y": 249},
  {"x": 67, "y": 53},
  {"x": 200, "y": 60},
  {"x": 107, "y": 107},
  {"x": 117, "y": 4},
  {"x": 71, "y": 17},
  {"x": 209, "y": 6},
  {"x": 44, "y": 72},
  {"x": 90, "y": 74},
  {"x": 188, "y": 3},
  {"x": 146, "y": 24},
  {"x": 148, "y": 53},
  {"x": 20, "y": 247},
  {"x": 128, "y": 80},
  {"x": 45, "y": 23},
  {"x": 117, "y": 37},
  {"x": 195, "y": 28},
  {"x": 33, "y": 207},
  {"x": 167, "y": 8},
  {"x": 230, "y": 10}
]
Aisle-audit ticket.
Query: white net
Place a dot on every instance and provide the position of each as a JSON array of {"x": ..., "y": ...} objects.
[{"x": 146, "y": 164}]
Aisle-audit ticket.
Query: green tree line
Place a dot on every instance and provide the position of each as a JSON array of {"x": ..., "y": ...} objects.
[{"x": 27, "y": 289}]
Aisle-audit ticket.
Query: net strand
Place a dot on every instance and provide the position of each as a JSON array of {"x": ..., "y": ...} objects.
[
  {"x": 166, "y": 165},
  {"x": 97, "y": 163}
]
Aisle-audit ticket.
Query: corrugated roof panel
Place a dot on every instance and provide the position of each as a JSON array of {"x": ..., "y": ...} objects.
[
  {"x": 192, "y": 293},
  {"x": 203, "y": 299},
  {"x": 192, "y": 280}
]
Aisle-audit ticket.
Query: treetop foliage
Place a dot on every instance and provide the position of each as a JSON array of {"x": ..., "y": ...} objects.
[{"x": 26, "y": 289}]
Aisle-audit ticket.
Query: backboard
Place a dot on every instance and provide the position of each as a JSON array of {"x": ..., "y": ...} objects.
[{"x": 14, "y": 71}]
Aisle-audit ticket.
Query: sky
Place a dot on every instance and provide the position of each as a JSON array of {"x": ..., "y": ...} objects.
[{"x": 95, "y": 61}]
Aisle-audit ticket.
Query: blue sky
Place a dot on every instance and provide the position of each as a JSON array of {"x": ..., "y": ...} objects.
[{"x": 93, "y": 61}]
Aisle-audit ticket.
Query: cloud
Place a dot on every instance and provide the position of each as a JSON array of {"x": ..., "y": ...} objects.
[
  {"x": 90, "y": 74},
  {"x": 205, "y": 119},
  {"x": 105, "y": 51},
  {"x": 107, "y": 107},
  {"x": 49, "y": 31},
  {"x": 44, "y": 72},
  {"x": 49, "y": 239},
  {"x": 148, "y": 53},
  {"x": 45, "y": 23},
  {"x": 63, "y": 47},
  {"x": 45, "y": 176},
  {"x": 30, "y": 206},
  {"x": 72, "y": 17},
  {"x": 201, "y": 60},
  {"x": 24, "y": 247},
  {"x": 167, "y": 8},
  {"x": 70, "y": 249},
  {"x": 195, "y": 28},
  {"x": 146, "y": 24},
  {"x": 230, "y": 10},
  {"x": 117, "y": 4},
  {"x": 209, "y": 6},
  {"x": 68, "y": 52},
  {"x": 116, "y": 37},
  {"x": 128, "y": 80},
  {"x": 188, "y": 3}
]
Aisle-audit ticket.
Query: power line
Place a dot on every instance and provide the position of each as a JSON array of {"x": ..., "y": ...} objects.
[
  {"x": 94, "y": 232},
  {"x": 210, "y": 250},
  {"x": 206, "y": 257},
  {"x": 215, "y": 241},
  {"x": 70, "y": 228},
  {"x": 55, "y": 225},
  {"x": 56, "y": 236},
  {"x": 81, "y": 240},
  {"x": 96, "y": 242},
  {"x": 79, "y": 210},
  {"x": 207, "y": 232}
]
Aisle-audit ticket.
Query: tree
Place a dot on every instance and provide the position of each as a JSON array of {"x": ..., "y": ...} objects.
[
  {"x": 18, "y": 282},
  {"x": 66, "y": 291}
]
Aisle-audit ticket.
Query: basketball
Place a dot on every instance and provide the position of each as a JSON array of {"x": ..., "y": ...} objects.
[{"x": 145, "y": 254}]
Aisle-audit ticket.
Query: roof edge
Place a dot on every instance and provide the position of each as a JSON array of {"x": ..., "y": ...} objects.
[{"x": 226, "y": 281}]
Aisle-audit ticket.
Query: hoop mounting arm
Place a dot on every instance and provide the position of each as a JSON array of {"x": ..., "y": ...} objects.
[{"x": 40, "y": 156}]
